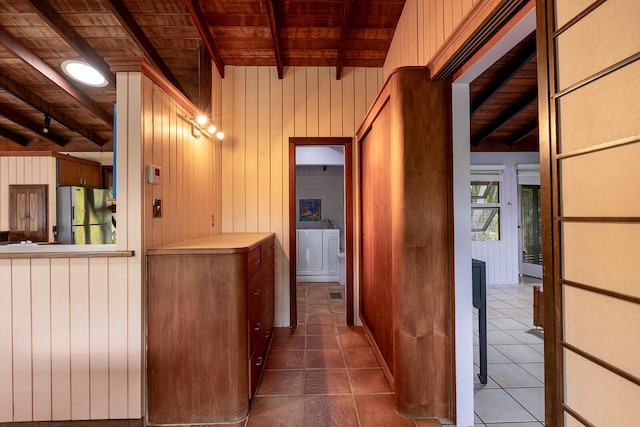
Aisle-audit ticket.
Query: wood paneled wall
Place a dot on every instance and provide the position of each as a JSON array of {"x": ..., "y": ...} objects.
[
  {"x": 70, "y": 331},
  {"x": 259, "y": 114},
  {"x": 27, "y": 170},
  {"x": 590, "y": 149},
  {"x": 423, "y": 29},
  {"x": 189, "y": 190}
]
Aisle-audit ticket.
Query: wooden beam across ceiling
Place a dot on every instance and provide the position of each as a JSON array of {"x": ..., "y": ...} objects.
[
  {"x": 9, "y": 42},
  {"x": 131, "y": 25},
  {"x": 203, "y": 28},
  {"x": 523, "y": 133},
  {"x": 30, "y": 98},
  {"x": 346, "y": 15},
  {"x": 509, "y": 71},
  {"x": 71, "y": 36},
  {"x": 13, "y": 136},
  {"x": 274, "y": 37},
  {"x": 34, "y": 127},
  {"x": 510, "y": 112}
]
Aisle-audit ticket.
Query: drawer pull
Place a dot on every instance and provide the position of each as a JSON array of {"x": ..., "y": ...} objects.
[
  {"x": 257, "y": 327},
  {"x": 266, "y": 335},
  {"x": 267, "y": 278},
  {"x": 256, "y": 261},
  {"x": 257, "y": 292},
  {"x": 259, "y": 362}
]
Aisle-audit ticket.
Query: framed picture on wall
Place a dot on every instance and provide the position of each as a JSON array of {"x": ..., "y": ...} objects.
[{"x": 310, "y": 210}]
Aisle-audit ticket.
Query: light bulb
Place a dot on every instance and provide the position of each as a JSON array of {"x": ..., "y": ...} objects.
[
  {"x": 201, "y": 120},
  {"x": 211, "y": 129},
  {"x": 220, "y": 135}
]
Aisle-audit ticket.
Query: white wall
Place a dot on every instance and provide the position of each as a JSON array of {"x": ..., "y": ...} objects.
[
  {"x": 259, "y": 113},
  {"x": 503, "y": 256}
]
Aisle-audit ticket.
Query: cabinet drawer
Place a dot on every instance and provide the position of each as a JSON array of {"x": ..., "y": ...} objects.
[
  {"x": 266, "y": 254},
  {"x": 258, "y": 359},
  {"x": 255, "y": 294},
  {"x": 254, "y": 262},
  {"x": 256, "y": 328}
]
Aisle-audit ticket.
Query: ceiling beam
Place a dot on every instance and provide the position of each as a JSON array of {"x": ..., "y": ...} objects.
[
  {"x": 28, "y": 97},
  {"x": 527, "y": 54},
  {"x": 9, "y": 42},
  {"x": 346, "y": 16},
  {"x": 34, "y": 127},
  {"x": 510, "y": 113},
  {"x": 274, "y": 37},
  {"x": 71, "y": 36},
  {"x": 13, "y": 136},
  {"x": 523, "y": 133},
  {"x": 135, "y": 31},
  {"x": 205, "y": 33}
]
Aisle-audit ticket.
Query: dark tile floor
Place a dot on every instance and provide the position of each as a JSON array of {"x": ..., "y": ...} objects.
[{"x": 324, "y": 373}]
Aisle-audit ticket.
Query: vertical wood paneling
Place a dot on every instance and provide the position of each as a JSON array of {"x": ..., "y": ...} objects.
[
  {"x": 118, "y": 319},
  {"x": 61, "y": 340},
  {"x": 6, "y": 337},
  {"x": 312, "y": 100},
  {"x": 251, "y": 153},
  {"x": 278, "y": 197},
  {"x": 41, "y": 338},
  {"x": 79, "y": 321},
  {"x": 27, "y": 170},
  {"x": 335, "y": 107},
  {"x": 227, "y": 151},
  {"x": 300, "y": 101},
  {"x": 239, "y": 152},
  {"x": 306, "y": 102},
  {"x": 325, "y": 101},
  {"x": 22, "y": 348},
  {"x": 264, "y": 151},
  {"x": 134, "y": 336},
  {"x": 348, "y": 103},
  {"x": 99, "y": 337},
  {"x": 422, "y": 29}
]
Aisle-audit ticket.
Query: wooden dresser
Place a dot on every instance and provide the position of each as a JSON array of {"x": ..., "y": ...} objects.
[{"x": 209, "y": 325}]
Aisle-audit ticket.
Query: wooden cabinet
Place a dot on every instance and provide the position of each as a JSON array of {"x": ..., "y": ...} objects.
[
  {"x": 406, "y": 243},
  {"x": 209, "y": 326},
  {"x": 79, "y": 172},
  {"x": 28, "y": 213}
]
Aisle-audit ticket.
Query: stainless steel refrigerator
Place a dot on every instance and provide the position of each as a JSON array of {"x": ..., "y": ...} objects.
[{"x": 83, "y": 216}]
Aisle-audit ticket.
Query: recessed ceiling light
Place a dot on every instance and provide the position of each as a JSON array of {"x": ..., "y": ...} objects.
[{"x": 84, "y": 73}]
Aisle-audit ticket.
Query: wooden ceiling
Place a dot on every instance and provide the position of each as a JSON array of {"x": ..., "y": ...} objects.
[
  {"x": 182, "y": 38},
  {"x": 504, "y": 109}
]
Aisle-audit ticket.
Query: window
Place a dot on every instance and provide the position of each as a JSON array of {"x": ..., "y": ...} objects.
[{"x": 485, "y": 210}]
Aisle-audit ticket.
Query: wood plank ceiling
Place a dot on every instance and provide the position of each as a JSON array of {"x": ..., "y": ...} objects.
[{"x": 183, "y": 39}]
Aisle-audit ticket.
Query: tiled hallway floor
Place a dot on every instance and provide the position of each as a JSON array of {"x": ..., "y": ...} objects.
[
  {"x": 323, "y": 373},
  {"x": 514, "y": 393}
]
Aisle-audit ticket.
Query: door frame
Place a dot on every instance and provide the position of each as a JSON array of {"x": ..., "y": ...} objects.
[{"x": 347, "y": 143}]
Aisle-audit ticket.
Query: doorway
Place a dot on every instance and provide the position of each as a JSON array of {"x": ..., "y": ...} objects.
[
  {"x": 531, "y": 230},
  {"x": 309, "y": 212}
]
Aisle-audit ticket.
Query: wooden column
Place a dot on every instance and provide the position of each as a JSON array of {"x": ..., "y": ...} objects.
[{"x": 411, "y": 117}]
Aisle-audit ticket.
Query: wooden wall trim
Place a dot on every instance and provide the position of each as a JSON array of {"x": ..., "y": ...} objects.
[
  {"x": 346, "y": 142},
  {"x": 26, "y": 153},
  {"x": 146, "y": 68},
  {"x": 475, "y": 32}
]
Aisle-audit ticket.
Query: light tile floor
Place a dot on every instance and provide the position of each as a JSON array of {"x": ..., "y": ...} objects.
[{"x": 514, "y": 393}]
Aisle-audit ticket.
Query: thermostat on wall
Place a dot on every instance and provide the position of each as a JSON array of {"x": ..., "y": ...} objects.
[{"x": 154, "y": 174}]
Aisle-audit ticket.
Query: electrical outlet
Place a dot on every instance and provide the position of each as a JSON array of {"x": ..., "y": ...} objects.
[{"x": 157, "y": 208}]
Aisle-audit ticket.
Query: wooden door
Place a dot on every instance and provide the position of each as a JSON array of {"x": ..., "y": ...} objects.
[
  {"x": 377, "y": 284},
  {"x": 588, "y": 68},
  {"x": 28, "y": 213}
]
